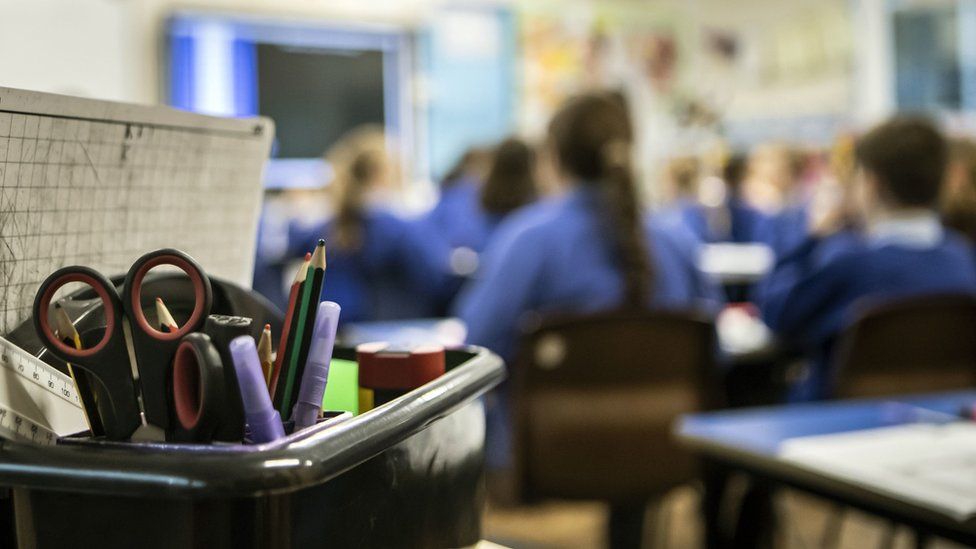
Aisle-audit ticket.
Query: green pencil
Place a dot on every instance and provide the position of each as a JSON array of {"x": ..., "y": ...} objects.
[
  {"x": 311, "y": 293},
  {"x": 285, "y": 376}
]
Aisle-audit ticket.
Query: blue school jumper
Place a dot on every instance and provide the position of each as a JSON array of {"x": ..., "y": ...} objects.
[
  {"x": 395, "y": 273},
  {"x": 458, "y": 218},
  {"x": 809, "y": 297},
  {"x": 553, "y": 257},
  {"x": 784, "y": 231},
  {"x": 745, "y": 222}
]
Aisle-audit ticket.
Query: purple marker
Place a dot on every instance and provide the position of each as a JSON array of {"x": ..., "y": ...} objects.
[
  {"x": 316, "y": 374},
  {"x": 261, "y": 418}
]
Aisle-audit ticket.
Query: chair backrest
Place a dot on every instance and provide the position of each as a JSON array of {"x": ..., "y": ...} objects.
[
  {"x": 911, "y": 345},
  {"x": 595, "y": 398}
]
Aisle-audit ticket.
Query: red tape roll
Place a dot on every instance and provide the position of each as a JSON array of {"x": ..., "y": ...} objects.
[{"x": 384, "y": 367}]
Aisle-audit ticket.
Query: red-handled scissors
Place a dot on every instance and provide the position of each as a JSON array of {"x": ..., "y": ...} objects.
[{"x": 108, "y": 360}]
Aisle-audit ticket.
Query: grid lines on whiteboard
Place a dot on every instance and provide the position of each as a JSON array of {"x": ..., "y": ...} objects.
[{"x": 77, "y": 191}]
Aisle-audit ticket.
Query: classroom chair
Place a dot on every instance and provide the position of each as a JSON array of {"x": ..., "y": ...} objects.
[
  {"x": 912, "y": 345},
  {"x": 595, "y": 398}
]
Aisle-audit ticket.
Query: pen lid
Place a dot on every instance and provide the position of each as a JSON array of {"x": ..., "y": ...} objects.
[{"x": 385, "y": 366}]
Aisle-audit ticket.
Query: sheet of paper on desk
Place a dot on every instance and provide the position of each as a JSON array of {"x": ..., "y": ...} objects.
[{"x": 930, "y": 465}]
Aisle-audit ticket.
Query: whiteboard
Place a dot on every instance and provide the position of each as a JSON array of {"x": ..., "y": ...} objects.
[{"x": 98, "y": 183}]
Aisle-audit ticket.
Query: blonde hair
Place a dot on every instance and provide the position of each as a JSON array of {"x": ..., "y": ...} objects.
[{"x": 357, "y": 160}]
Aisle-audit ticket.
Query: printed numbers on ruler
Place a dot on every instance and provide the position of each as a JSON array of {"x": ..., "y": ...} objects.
[
  {"x": 17, "y": 427},
  {"x": 37, "y": 372}
]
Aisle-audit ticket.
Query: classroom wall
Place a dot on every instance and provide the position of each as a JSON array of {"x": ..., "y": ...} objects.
[
  {"x": 78, "y": 47},
  {"x": 111, "y": 48}
]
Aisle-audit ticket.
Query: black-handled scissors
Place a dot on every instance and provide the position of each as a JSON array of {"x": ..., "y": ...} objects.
[
  {"x": 108, "y": 360},
  {"x": 199, "y": 395}
]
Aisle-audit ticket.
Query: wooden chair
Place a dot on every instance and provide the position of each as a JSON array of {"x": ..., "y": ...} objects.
[
  {"x": 912, "y": 345},
  {"x": 595, "y": 398}
]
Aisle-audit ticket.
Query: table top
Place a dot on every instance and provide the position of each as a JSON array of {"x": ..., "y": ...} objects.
[
  {"x": 750, "y": 440},
  {"x": 762, "y": 430},
  {"x": 740, "y": 332},
  {"x": 449, "y": 332},
  {"x": 736, "y": 263}
]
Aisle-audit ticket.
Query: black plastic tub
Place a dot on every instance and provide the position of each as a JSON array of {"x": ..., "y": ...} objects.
[{"x": 406, "y": 474}]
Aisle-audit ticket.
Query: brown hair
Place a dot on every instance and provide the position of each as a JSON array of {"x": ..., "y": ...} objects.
[
  {"x": 471, "y": 163},
  {"x": 511, "y": 179},
  {"x": 357, "y": 160},
  {"x": 908, "y": 156},
  {"x": 591, "y": 136},
  {"x": 734, "y": 173},
  {"x": 684, "y": 173}
]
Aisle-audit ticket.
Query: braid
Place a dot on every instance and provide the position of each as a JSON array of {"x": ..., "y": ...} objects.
[
  {"x": 592, "y": 137},
  {"x": 622, "y": 211}
]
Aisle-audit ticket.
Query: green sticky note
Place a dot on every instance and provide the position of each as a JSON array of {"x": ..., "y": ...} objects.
[{"x": 342, "y": 389}]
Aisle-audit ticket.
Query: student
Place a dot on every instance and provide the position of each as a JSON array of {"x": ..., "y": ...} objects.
[
  {"x": 903, "y": 250},
  {"x": 743, "y": 221},
  {"x": 451, "y": 218},
  {"x": 786, "y": 224},
  {"x": 585, "y": 251},
  {"x": 683, "y": 213},
  {"x": 510, "y": 184},
  {"x": 958, "y": 201},
  {"x": 588, "y": 250},
  {"x": 379, "y": 266}
]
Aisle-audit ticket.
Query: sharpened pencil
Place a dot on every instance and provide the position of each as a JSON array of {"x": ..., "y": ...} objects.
[
  {"x": 65, "y": 330},
  {"x": 264, "y": 353},
  {"x": 166, "y": 321},
  {"x": 290, "y": 319},
  {"x": 302, "y": 331}
]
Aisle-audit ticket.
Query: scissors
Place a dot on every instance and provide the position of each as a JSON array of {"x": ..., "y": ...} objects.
[{"x": 109, "y": 359}]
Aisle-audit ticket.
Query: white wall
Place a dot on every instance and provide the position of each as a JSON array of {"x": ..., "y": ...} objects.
[
  {"x": 76, "y": 47},
  {"x": 110, "y": 49}
]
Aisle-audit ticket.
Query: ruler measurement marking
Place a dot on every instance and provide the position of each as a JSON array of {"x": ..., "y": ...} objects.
[
  {"x": 15, "y": 426},
  {"x": 34, "y": 370}
]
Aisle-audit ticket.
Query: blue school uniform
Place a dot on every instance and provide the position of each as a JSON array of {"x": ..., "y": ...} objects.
[
  {"x": 809, "y": 297},
  {"x": 395, "y": 273},
  {"x": 552, "y": 257},
  {"x": 745, "y": 223},
  {"x": 784, "y": 231},
  {"x": 458, "y": 219}
]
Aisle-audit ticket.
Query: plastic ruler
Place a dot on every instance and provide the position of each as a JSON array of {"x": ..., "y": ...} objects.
[{"x": 37, "y": 401}]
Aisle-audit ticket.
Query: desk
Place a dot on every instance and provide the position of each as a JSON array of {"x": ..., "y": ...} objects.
[
  {"x": 731, "y": 263},
  {"x": 740, "y": 333},
  {"x": 749, "y": 440},
  {"x": 449, "y": 332}
]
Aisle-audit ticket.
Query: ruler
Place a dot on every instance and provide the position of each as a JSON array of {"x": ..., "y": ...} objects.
[
  {"x": 16, "y": 426},
  {"x": 38, "y": 372},
  {"x": 37, "y": 401}
]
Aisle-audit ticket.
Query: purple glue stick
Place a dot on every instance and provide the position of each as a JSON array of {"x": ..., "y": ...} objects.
[
  {"x": 261, "y": 418},
  {"x": 316, "y": 374}
]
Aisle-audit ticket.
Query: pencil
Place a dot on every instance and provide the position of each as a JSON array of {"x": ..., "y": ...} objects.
[
  {"x": 264, "y": 353},
  {"x": 317, "y": 271},
  {"x": 65, "y": 330},
  {"x": 166, "y": 321},
  {"x": 300, "y": 332},
  {"x": 290, "y": 319}
]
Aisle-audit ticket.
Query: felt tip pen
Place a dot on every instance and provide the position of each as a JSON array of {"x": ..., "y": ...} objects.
[
  {"x": 314, "y": 378},
  {"x": 262, "y": 419}
]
